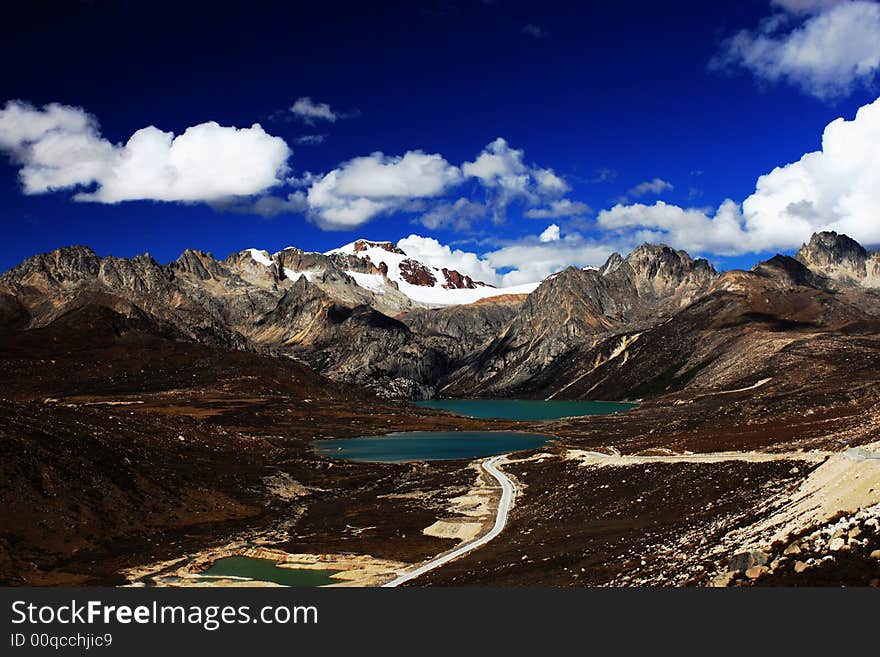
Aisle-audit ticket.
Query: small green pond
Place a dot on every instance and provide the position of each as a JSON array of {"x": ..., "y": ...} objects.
[{"x": 265, "y": 570}]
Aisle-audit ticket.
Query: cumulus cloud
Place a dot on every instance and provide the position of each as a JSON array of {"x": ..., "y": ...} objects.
[
  {"x": 836, "y": 188},
  {"x": 60, "y": 147},
  {"x": 525, "y": 260},
  {"x": 499, "y": 165},
  {"x": 364, "y": 187},
  {"x": 311, "y": 112},
  {"x": 823, "y": 47},
  {"x": 550, "y": 234},
  {"x": 502, "y": 170},
  {"x": 655, "y": 186},
  {"x": 561, "y": 208},
  {"x": 549, "y": 183},
  {"x": 531, "y": 260},
  {"x": 432, "y": 252},
  {"x": 693, "y": 229}
]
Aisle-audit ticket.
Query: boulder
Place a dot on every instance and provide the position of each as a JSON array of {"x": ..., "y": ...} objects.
[
  {"x": 756, "y": 571},
  {"x": 741, "y": 562}
]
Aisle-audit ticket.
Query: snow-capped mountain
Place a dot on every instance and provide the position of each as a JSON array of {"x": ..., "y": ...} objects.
[{"x": 382, "y": 268}]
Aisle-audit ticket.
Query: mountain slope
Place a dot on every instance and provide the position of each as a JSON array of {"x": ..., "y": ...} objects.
[{"x": 572, "y": 312}]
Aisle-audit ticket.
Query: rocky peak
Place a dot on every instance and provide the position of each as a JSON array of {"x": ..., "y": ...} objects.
[
  {"x": 200, "y": 264},
  {"x": 841, "y": 258},
  {"x": 787, "y": 271},
  {"x": 139, "y": 274},
  {"x": 415, "y": 273},
  {"x": 615, "y": 260},
  {"x": 660, "y": 271},
  {"x": 364, "y": 245},
  {"x": 457, "y": 281},
  {"x": 67, "y": 264},
  {"x": 256, "y": 272},
  {"x": 651, "y": 261}
]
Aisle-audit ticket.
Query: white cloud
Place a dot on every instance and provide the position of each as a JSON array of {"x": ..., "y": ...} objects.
[
  {"x": 691, "y": 229},
  {"x": 837, "y": 188},
  {"x": 311, "y": 139},
  {"x": 206, "y": 162},
  {"x": 22, "y": 124},
  {"x": 60, "y": 147},
  {"x": 458, "y": 215},
  {"x": 525, "y": 261},
  {"x": 549, "y": 183},
  {"x": 433, "y": 253},
  {"x": 824, "y": 48},
  {"x": 655, "y": 186},
  {"x": 499, "y": 165},
  {"x": 550, "y": 234},
  {"x": 311, "y": 112},
  {"x": 503, "y": 171},
  {"x": 364, "y": 187},
  {"x": 561, "y": 208},
  {"x": 533, "y": 260}
]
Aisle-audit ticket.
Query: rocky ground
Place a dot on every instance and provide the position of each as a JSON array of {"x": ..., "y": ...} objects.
[
  {"x": 845, "y": 552},
  {"x": 117, "y": 455}
]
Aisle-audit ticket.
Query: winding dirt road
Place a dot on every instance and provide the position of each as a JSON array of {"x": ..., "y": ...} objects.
[{"x": 490, "y": 466}]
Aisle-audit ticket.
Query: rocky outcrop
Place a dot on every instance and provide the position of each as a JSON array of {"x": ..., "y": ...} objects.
[
  {"x": 415, "y": 273},
  {"x": 363, "y": 245},
  {"x": 64, "y": 266},
  {"x": 841, "y": 258},
  {"x": 457, "y": 281}
]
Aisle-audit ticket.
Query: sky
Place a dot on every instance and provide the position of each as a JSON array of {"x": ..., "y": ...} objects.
[{"x": 508, "y": 140}]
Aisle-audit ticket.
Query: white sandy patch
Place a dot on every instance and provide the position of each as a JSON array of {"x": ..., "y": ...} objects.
[
  {"x": 847, "y": 482},
  {"x": 587, "y": 457},
  {"x": 456, "y": 529}
]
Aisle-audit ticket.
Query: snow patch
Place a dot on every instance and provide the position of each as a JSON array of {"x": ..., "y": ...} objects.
[
  {"x": 260, "y": 256},
  {"x": 372, "y": 282},
  {"x": 296, "y": 275},
  {"x": 435, "y": 295}
]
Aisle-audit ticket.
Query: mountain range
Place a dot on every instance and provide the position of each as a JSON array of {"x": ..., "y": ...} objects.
[{"x": 651, "y": 322}]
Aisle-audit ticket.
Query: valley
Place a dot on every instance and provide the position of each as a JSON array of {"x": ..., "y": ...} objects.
[{"x": 155, "y": 418}]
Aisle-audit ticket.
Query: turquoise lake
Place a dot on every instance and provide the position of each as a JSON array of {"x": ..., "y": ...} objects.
[
  {"x": 429, "y": 445},
  {"x": 265, "y": 570},
  {"x": 525, "y": 409}
]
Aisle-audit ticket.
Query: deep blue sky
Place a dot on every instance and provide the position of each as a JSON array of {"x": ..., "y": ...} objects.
[{"x": 614, "y": 85}]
